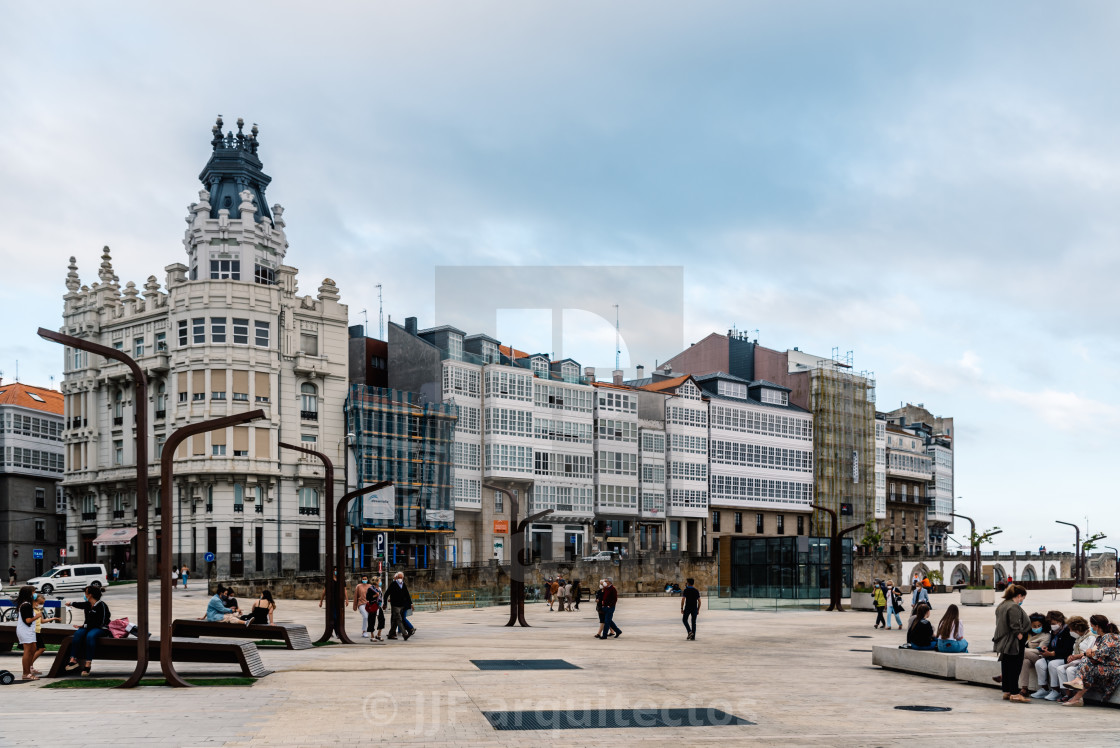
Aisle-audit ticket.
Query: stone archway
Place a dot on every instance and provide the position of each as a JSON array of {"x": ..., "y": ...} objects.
[
  {"x": 999, "y": 573},
  {"x": 1052, "y": 574},
  {"x": 959, "y": 575},
  {"x": 1028, "y": 574}
]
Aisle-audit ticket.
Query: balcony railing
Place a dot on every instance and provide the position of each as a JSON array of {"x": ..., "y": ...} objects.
[
  {"x": 160, "y": 414},
  {"x": 309, "y": 510},
  {"x": 239, "y": 507},
  {"x": 309, "y": 415},
  {"x": 118, "y": 514},
  {"x": 87, "y": 516},
  {"x": 118, "y": 420},
  {"x": 259, "y": 508}
]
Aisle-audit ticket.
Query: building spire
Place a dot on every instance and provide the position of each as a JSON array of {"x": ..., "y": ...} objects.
[
  {"x": 73, "y": 283},
  {"x": 234, "y": 167},
  {"x": 106, "y": 274}
]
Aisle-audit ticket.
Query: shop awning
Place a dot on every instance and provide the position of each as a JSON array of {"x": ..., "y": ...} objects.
[{"x": 116, "y": 536}]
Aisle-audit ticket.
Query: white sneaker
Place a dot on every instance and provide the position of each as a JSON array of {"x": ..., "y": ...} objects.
[
  {"x": 1040, "y": 693},
  {"x": 1053, "y": 695},
  {"x": 365, "y": 634}
]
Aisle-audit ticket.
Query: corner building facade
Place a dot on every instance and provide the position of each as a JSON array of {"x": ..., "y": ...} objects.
[{"x": 229, "y": 333}]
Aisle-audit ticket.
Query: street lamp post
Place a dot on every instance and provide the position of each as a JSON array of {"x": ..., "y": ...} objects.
[
  {"x": 345, "y": 477},
  {"x": 166, "y": 478},
  {"x": 517, "y": 554},
  {"x": 140, "y": 416},
  {"x": 836, "y": 559},
  {"x": 973, "y": 561},
  {"x": 1079, "y": 569}
]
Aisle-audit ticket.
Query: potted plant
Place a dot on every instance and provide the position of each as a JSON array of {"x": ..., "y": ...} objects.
[
  {"x": 863, "y": 598},
  {"x": 1087, "y": 593},
  {"x": 937, "y": 580},
  {"x": 978, "y": 595}
]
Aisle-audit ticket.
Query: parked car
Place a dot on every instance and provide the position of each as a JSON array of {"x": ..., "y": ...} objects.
[
  {"x": 65, "y": 578},
  {"x": 600, "y": 556}
]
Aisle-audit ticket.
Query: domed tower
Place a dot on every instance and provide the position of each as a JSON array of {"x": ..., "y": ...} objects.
[{"x": 232, "y": 233}]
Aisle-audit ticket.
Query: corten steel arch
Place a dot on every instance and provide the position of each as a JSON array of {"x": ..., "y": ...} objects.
[
  {"x": 836, "y": 560},
  {"x": 339, "y": 538},
  {"x": 167, "y": 513},
  {"x": 332, "y": 604},
  {"x": 973, "y": 553},
  {"x": 140, "y": 414},
  {"x": 518, "y": 561}
]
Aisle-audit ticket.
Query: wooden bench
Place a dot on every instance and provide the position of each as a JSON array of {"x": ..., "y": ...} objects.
[
  {"x": 1109, "y": 591},
  {"x": 243, "y": 654},
  {"x": 294, "y": 635},
  {"x": 52, "y": 634}
]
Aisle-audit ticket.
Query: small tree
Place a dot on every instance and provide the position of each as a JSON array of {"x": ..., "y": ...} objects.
[
  {"x": 873, "y": 539},
  {"x": 975, "y": 541},
  {"x": 1090, "y": 543},
  {"x": 935, "y": 577}
]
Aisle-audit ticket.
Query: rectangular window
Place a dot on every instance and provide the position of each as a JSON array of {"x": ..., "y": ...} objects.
[
  {"x": 41, "y": 498},
  {"x": 309, "y": 343},
  {"x": 118, "y": 346},
  {"x": 240, "y": 331},
  {"x": 118, "y": 452},
  {"x": 160, "y": 440},
  {"x": 758, "y": 525},
  {"x": 800, "y": 525},
  {"x": 137, "y": 347},
  {"x": 262, "y": 385},
  {"x": 240, "y": 441},
  {"x": 198, "y": 327},
  {"x": 781, "y": 524},
  {"x": 161, "y": 342},
  {"x": 738, "y": 522},
  {"x": 40, "y": 529},
  {"x": 182, "y": 333},
  {"x": 225, "y": 269},
  {"x": 499, "y": 502},
  {"x": 261, "y": 334},
  {"x": 264, "y": 276},
  {"x": 218, "y": 450},
  {"x": 217, "y": 329},
  {"x": 715, "y": 521}
]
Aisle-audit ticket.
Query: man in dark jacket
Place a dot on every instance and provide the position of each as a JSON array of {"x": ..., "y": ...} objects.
[
  {"x": 610, "y": 599},
  {"x": 400, "y": 601}
]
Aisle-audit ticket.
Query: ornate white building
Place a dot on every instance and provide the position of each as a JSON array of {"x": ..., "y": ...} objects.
[{"x": 228, "y": 334}]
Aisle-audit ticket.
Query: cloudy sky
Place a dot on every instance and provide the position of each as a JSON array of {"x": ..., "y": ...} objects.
[{"x": 933, "y": 187}]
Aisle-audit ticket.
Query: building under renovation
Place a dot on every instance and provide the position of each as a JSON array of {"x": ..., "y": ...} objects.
[{"x": 402, "y": 437}]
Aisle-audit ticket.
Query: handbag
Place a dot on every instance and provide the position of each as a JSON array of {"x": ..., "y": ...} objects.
[
  {"x": 898, "y": 607},
  {"x": 119, "y": 629}
]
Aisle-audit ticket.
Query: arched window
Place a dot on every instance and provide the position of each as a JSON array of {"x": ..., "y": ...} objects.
[{"x": 309, "y": 401}]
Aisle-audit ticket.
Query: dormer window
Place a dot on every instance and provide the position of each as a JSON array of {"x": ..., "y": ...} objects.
[
  {"x": 688, "y": 391},
  {"x": 489, "y": 352},
  {"x": 775, "y": 397},
  {"x": 455, "y": 347},
  {"x": 540, "y": 366},
  {"x": 732, "y": 389}
]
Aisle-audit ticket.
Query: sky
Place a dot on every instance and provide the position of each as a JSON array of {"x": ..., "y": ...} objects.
[{"x": 930, "y": 186}]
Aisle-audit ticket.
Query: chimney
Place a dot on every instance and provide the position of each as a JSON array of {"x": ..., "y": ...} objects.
[
  {"x": 617, "y": 376},
  {"x": 589, "y": 373},
  {"x": 667, "y": 369},
  {"x": 410, "y": 325},
  {"x": 641, "y": 371}
]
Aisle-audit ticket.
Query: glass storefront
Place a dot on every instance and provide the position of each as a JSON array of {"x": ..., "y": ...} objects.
[{"x": 786, "y": 567}]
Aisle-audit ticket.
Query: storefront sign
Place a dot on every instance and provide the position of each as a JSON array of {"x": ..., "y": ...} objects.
[
  {"x": 501, "y": 527},
  {"x": 380, "y": 504}
]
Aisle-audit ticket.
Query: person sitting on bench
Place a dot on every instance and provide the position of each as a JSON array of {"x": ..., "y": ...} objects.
[
  {"x": 920, "y": 634},
  {"x": 217, "y": 611},
  {"x": 96, "y": 625},
  {"x": 262, "y": 611}
]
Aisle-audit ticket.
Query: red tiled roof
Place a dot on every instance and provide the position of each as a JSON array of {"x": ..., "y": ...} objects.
[
  {"x": 667, "y": 384},
  {"x": 512, "y": 352},
  {"x": 612, "y": 385},
  {"x": 18, "y": 393}
]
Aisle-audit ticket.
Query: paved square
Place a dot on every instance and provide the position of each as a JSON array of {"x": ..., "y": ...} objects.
[{"x": 801, "y": 678}]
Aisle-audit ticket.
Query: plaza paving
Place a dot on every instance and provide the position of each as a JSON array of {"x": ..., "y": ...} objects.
[{"x": 793, "y": 673}]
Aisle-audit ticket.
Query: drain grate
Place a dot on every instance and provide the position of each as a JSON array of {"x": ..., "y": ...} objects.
[
  {"x": 586, "y": 719},
  {"x": 923, "y": 708},
  {"x": 524, "y": 665},
  {"x": 858, "y": 636},
  {"x": 859, "y": 650}
]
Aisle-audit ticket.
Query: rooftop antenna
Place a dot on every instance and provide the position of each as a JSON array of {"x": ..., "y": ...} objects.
[
  {"x": 380, "y": 315},
  {"x": 617, "y": 337},
  {"x": 365, "y": 328},
  {"x": 17, "y": 369}
]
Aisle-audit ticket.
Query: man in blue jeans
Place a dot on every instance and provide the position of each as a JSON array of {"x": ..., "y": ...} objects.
[
  {"x": 610, "y": 599},
  {"x": 690, "y": 607}
]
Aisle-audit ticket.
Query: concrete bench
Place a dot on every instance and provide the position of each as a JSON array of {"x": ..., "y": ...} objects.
[
  {"x": 919, "y": 661},
  {"x": 243, "y": 654},
  {"x": 294, "y": 635},
  {"x": 980, "y": 669},
  {"x": 52, "y": 634}
]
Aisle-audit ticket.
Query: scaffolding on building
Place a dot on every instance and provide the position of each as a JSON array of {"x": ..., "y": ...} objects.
[
  {"x": 843, "y": 405},
  {"x": 400, "y": 437}
]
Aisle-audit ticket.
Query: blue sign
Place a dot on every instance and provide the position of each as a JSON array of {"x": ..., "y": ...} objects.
[
  {"x": 208, "y": 558},
  {"x": 380, "y": 545},
  {"x": 36, "y": 553}
]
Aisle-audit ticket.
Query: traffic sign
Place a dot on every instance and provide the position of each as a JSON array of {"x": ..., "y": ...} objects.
[
  {"x": 62, "y": 553},
  {"x": 208, "y": 558},
  {"x": 36, "y": 553},
  {"x": 381, "y": 540}
]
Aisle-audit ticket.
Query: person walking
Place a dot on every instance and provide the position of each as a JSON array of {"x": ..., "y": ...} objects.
[
  {"x": 375, "y": 611},
  {"x": 174, "y": 577},
  {"x": 360, "y": 591},
  {"x": 1012, "y": 626},
  {"x": 84, "y": 644},
  {"x": 562, "y": 595},
  {"x": 26, "y": 617},
  {"x": 880, "y": 599},
  {"x": 12, "y": 574},
  {"x": 184, "y": 574},
  {"x": 690, "y": 607},
  {"x": 918, "y": 596},
  {"x": 599, "y": 607},
  {"x": 399, "y": 601},
  {"x": 548, "y": 592},
  {"x": 610, "y": 600},
  {"x": 894, "y": 604},
  {"x": 553, "y": 592},
  {"x": 577, "y": 590}
]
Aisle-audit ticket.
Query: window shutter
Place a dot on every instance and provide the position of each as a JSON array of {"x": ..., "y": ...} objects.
[
  {"x": 240, "y": 439},
  {"x": 198, "y": 444},
  {"x": 198, "y": 382},
  {"x": 182, "y": 381},
  {"x": 218, "y": 380},
  {"x": 264, "y": 449},
  {"x": 218, "y": 437},
  {"x": 260, "y": 380},
  {"x": 241, "y": 381}
]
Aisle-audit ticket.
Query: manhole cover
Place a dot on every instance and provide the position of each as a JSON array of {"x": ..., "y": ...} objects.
[
  {"x": 524, "y": 665},
  {"x": 587, "y": 719},
  {"x": 923, "y": 708},
  {"x": 859, "y": 637}
]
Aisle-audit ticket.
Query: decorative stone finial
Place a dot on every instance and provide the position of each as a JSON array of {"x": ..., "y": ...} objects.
[
  {"x": 217, "y": 130},
  {"x": 151, "y": 288},
  {"x": 328, "y": 291},
  {"x": 73, "y": 283},
  {"x": 106, "y": 273},
  {"x": 130, "y": 295},
  {"x": 278, "y": 216},
  {"x": 253, "y": 139},
  {"x": 247, "y": 204}
]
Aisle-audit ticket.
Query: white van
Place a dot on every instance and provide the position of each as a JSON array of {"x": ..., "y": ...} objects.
[{"x": 68, "y": 578}]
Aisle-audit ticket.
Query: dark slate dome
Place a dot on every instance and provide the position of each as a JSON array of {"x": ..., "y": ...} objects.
[{"x": 233, "y": 168}]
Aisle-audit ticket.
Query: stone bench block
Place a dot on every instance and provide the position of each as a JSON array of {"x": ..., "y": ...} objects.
[
  {"x": 919, "y": 662},
  {"x": 979, "y": 669}
]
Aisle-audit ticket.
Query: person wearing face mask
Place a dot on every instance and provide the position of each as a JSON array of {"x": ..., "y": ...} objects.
[
  {"x": 1100, "y": 667},
  {"x": 1012, "y": 625},
  {"x": 894, "y": 604},
  {"x": 1056, "y": 651},
  {"x": 1038, "y": 637},
  {"x": 360, "y": 603},
  {"x": 1063, "y": 672}
]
